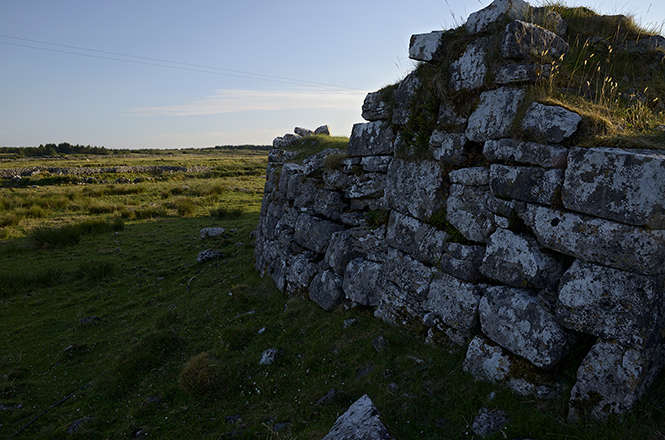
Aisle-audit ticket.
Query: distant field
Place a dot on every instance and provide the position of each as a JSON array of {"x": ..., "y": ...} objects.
[{"x": 110, "y": 328}]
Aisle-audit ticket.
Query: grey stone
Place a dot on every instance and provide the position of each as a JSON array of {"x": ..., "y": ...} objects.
[
  {"x": 375, "y": 164},
  {"x": 300, "y": 271},
  {"x": 415, "y": 188},
  {"x": 530, "y": 153},
  {"x": 598, "y": 241},
  {"x": 326, "y": 289},
  {"x": 371, "y": 185},
  {"x": 316, "y": 162},
  {"x": 280, "y": 156},
  {"x": 454, "y": 301},
  {"x": 285, "y": 141},
  {"x": 314, "y": 233},
  {"x": 462, "y": 261},
  {"x": 473, "y": 176},
  {"x": 363, "y": 281},
  {"x": 468, "y": 71},
  {"x": 371, "y": 139},
  {"x": 612, "y": 304},
  {"x": 209, "y": 255},
  {"x": 527, "y": 184},
  {"x": 516, "y": 260},
  {"x": 550, "y": 122},
  {"x": 414, "y": 237},
  {"x": 498, "y": 10},
  {"x": 623, "y": 185},
  {"x": 495, "y": 114},
  {"x": 329, "y": 204},
  {"x": 467, "y": 210},
  {"x": 341, "y": 251},
  {"x": 427, "y": 47},
  {"x": 549, "y": 19},
  {"x": 524, "y": 40},
  {"x": 270, "y": 356},
  {"x": 375, "y": 107},
  {"x": 611, "y": 380},
  {"x": 304, "y": 132},
  {"x": 361, "y": 421},
  {"x": 522, "y": 73},
  {"x": 322, "y": 130},
  {"x": 449, "y": 118},
  {"x": 404, "y": 95},
  {"x": 212, "y": 232},
  {"x": 514, "y": 319},
  {"x": 487, "y": 422},
  {"x": 448, "y": 147},
  {"x": 380, "y": 343}
]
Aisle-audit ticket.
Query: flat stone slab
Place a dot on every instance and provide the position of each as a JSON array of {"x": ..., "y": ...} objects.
[
  {"x": 448, "y": 147},
  {"x": 427, "y": 47},
  {"x": 550, "y": 122},
  {"x": 623, "y": 185},
  {"x": 467, "y": 209},
  {"x": 371, "y": 139},
  {"x": 454, "y": 301},
  {"x": 630, "y": 304},
  {"x": 499, "y": 9},
  {"x": 527, "y": 184},
  {"x": 495, "y": 114},
  {"x": 415, "y": 188},
  {"x": 514, "y": 319},
  {"x": 530, "y": 153},
  {"x": 375, "y": 107},
  {"x": 522, "y": 73},
  {"x": 523, "y": 40},
  {"x": 598, "y": 241},
  {"x": 468, "y": 71}
]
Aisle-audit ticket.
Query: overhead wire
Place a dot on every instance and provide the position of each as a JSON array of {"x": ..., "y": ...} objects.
[{"x": 158, "y": 62}]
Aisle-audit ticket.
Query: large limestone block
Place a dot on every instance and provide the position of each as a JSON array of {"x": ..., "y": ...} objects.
[
  {"x": 406, "y": 91},
  {"x": 522, "y": 73},
  {"x": 326, "y": 289},
  {"x": 314, "y": 233},
  {"x": 527, "y": 184},
  {"x": 416, "y": 238},
  {"x": 375, "y": 107},
  {"x": 361, "y": 421},
  {"x": 472, "y": 176},
  {"x": 363, "y": 282},
  {"x": 449, "y": 147},
  {"x": 598, "y": 241},
  {"x": 550, "y": 122},
  {"x": 495, "y": 114},
  {"x": 514, "y": 319},
  {"x": 300, "y": 270},
  {"x": 454, "y": 301},
  {"x": 367, "y": 186},
  {"x": 468, "y": 211},
  {"x": 498, "y": 10},
  {"x": 612, "y": 379},
  {"x": 427, "y": 47},
  {"x": 462, "y": 261},
  {"x": 492, "y": 363},
  {"x": 530, "y": 153},
  {"x": 415, "y": 187},
  {"x": 375, "y": 164},
  {"x": 469, "y": 70},
  {"x": 371, "y": 139},
  {"x": 524, "y": 40},
  {"x": 623, "y": 185},
  {"x": 315, "y": 163},
  {"x": 329, "y": 204},
  {"x": 516, "y": 260},
  {"x": 612, "y": 304}
]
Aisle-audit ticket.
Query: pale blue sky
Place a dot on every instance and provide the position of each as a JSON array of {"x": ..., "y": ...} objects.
[{"x": 242, "y": 72}]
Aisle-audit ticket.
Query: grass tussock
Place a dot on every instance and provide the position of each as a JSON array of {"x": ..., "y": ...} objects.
[
  {"x": 227, "y": 212},
  {"x": 203, "y": 376},
  {"x": 71, "y": 234}
]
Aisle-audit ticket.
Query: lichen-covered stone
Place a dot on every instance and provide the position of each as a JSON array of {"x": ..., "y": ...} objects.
[
  {"x": 527, "y": 184},
  {"x": 468, "y": 71},
  {"x": 300, "y": 270},
  {"x": 415, "y": 188},
  {"x": 630, "y": 306},
  {"x": 279, "y": 156},
  {"x": 449, "y": 118},
  {"x": 495, "y": 114},
  {"x": 524, "y": 40},
  {"x": 326, "y": 289},
  {"x": 363, "y": 282},
  {"x": 371, "y": 139},
  {"x": 530, "y": 153},
  {"x": 371, "y": 185},
  {"x": 414, "y": 237},
  {"x": 329, "y": 204},
  {"x": 315, "y": 163},
  {"x": 404, "y": 95},
  {"x": 611, "y": 380},
  {"x": 549, "y": 19},
  {"x": 448, "y": 147},
  {"x": 427, "y": 47},
  {"x": 623, "y": 185},
  {"x": 468, "y": 211},
  {"x": 522, "y": 73},
  {"x": 361, "y": 421},
  {"x": 462, "y": 261},
  {"x": 514, "y": 319},
  {"x": 598, "y": 241},
  {"x": 516, "y": 260},
  {"x": 375, "y": 107},
  {"x": 375, "y": 164},
  {"x": 454, "y": 301},
  {"x": 498, "y": 10},
  {"x": 472, "y": 176},
  {"x": 550, "y": 122},
  {"x": 314, "y": 233}
]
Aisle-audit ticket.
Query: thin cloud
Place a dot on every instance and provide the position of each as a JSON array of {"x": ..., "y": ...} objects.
[{"x": 235, "y": 101}]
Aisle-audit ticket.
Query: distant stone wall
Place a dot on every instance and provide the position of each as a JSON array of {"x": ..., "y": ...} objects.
[{"x": 513, "y": 249}]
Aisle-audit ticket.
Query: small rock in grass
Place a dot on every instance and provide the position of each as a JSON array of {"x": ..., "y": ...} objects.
[
  {"x": 270, "y": 356},
  {"x": 209, "y": 255},
  {"x": 488, "y": 423}
]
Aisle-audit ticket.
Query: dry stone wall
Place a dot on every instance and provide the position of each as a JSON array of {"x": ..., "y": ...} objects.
[{"x": 517, "y": 250}]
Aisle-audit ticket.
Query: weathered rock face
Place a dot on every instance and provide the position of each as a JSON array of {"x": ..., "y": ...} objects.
[
  {"x": 361, "y": 421},
  {"x": 509, "y": 246}
]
